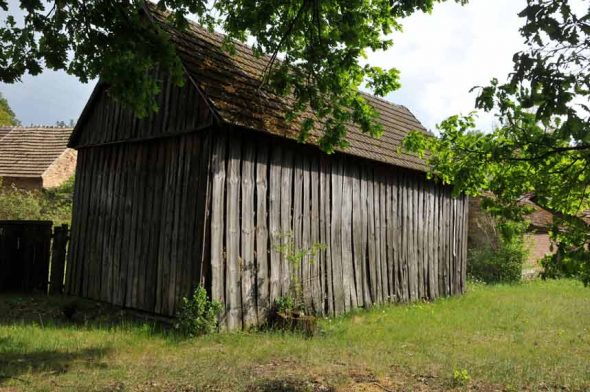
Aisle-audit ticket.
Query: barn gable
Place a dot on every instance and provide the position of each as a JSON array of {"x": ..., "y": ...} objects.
[{"x": 104, "y": 120}]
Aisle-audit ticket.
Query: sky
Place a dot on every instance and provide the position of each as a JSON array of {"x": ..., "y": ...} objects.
[{"x": 441, "y": 56}]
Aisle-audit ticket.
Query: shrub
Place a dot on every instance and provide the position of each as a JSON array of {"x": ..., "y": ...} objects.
[
  {"x": 197, "y": 315},
  {"x": 499, "y": 260},
  {"x": 53, "y": 204}
]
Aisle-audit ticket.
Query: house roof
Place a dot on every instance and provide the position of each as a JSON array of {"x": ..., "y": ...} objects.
[
  {"x": 29, "y": 151},
  {"x": 231, "y": 84},
  {"x": 4, "y": 131}
]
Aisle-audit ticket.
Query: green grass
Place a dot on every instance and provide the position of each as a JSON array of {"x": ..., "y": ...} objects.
[{"x": 535, "y": 335}]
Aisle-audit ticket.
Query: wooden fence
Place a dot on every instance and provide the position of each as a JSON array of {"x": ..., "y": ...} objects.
[{"x": 25, "y": 256}]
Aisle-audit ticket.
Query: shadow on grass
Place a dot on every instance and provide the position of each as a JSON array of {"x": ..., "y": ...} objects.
[
  {"x": 65, "y": 311},
  {"x": 16, "y": 361}
]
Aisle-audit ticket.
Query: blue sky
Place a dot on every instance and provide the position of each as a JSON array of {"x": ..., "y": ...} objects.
[{"x": 440, "y": 56}]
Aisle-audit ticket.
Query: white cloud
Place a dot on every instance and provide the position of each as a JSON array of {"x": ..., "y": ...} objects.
[{"x": 441, "y": 56}]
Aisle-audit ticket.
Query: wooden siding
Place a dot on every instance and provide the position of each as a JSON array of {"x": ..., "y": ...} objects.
[
  {"x": 391, "y": 235},
  {"x": 153, "y": 219},
  {"x": 138, "y": 223},
  {"x": 104, "y": 120}
]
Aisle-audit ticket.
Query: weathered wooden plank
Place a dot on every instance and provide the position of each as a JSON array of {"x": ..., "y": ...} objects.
[
  {"x": 286, "y": 216},
  {"x": 363, "y": 251},
  {"x": 325, "y": 234},
  {"x": 107, "y": 212},
  {"x": 274, "y": 221},
  {"x": 188, "y": 236},
  {"x": 371, "y": 238},
  {"x": 378, "y": 229},
  {"x": 383, "y": 236},
  {"x": 336, "y": 237},
  {"x": 218, "y": 161},
  {"x": 232, "y": 236},
  {"x": 407, "y": 258},
  {"x": 465, "y": 233},
  {"x": 419, "y": 219},
  {"x": 308, "y": 262},
  {"x": 262, "y": 252},
  {"x": 412, "y": 259},
  {"x": 297, "y": 268},
  {"x": 201, "y": 268},
  {"x": 357, "y": 236},
  {"x": 432, "y": 283},
  {"x": 248, "y": 235},
  {"x": 348, "y": 283},
  {"x": 315, "y": 223},
  {"x": 390, "y": 232},
  {"x": 178, "y": 259}
]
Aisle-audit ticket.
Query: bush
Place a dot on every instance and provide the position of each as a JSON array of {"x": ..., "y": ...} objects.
[
  {"x": 53, "y": 204},
  {"x": 197, "y": 315},
  {"x": 500, "y": 260},
  {"x": 490, "y": 265}
]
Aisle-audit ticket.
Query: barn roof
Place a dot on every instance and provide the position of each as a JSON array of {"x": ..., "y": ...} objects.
[
  {"x": 29, "y": 151},
  {"x": 231, "y": 84}
]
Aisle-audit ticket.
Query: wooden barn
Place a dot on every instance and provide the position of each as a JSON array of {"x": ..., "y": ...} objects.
[{"x": 204, "y": 190}]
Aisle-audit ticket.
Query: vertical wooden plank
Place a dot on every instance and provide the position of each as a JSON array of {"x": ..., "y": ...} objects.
[
  {"x": 371, "y": 240},
  {"x": 465, "y": 234},
  {"x": 274, "y": 221},
  {"x": 308, "y": 262},
  {"x": 262, "y": 271},
  {"x": 420, "y": 236},
  {"x": 383, "y": 235},
  {"x": 357, "y": 236},
  {"x": 390, "y": 230},
  {"x": 315, "y": 224},
  {"x": 431, "y": 241},
  {"x": 297, "y": 270},
  {"x": 325, "y": 233},
  {"x": 348, "y": 282},
  {"x": 395, "y": 205},
  {"x": 377, "y": 233},
  {"x": 336, "y": 236},
  {"x": 201, "y": 268},
  {"x": 218, "y": 160},
  {"x": 232, "y": 236},
  {"x": 179, "y": 278},
  {"x": 286, "y": 216},
  {"x": 248, "y": 235},
  {"x": 364, "y": 246},
  {"x": 407, "y": 229},
  {"x": 412, "y": 263}
]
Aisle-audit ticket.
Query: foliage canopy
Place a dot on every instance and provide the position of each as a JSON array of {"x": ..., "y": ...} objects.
[
  {"x": 321, "y": 44},
  {"x": 542, "y": 143},
  {"x": 7, "y": 116}
]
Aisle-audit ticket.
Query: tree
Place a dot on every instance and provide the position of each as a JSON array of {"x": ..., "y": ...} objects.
[
  {"x": 7, "y": 116},
  {"x": 320, "y": 42},
  {"x": 542, "y": 143}
]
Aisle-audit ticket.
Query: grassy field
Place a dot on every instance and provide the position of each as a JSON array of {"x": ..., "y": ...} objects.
[{"x": 533, "y": 336}]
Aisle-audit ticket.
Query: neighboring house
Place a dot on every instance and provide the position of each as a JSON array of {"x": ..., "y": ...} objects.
[
  {"x": 538, "y": 242},
  {"x": 204, "y": 191},
  {"x": 35, "y": 157}
]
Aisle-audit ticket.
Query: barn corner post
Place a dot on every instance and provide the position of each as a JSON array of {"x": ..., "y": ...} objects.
[{"x": 198, "y": 193}]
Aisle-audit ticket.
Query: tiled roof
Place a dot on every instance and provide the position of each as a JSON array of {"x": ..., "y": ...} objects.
[
  {"x": 28, "y": 152},
  {"x": 231, "y": 83},
  {"x": 4, "y": 131}
]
